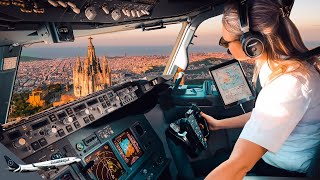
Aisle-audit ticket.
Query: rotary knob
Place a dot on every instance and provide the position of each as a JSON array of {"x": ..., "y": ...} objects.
[
  {"x": 100, "y": 110},
  {"x": 52, "y": 131},
  {"x": 87, "y": 111},
  {"x": 145, "y": 171},
  {"x": 67, "y": 120},
  {"x": 19, "y": 143}
]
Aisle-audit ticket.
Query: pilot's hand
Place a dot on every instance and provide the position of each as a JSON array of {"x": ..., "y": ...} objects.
[{"x": 212, "y": 122}]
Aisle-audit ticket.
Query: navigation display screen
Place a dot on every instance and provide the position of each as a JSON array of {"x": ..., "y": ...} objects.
[
  {"x": 105, "y": 166},
  {"x": 128, "y": 147},
  {"x": 231, "y": 83}
]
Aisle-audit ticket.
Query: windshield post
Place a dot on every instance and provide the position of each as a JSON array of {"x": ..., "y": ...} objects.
[
  {"x": 9, "y": 61},
  {"x": 179, "y": 56}
]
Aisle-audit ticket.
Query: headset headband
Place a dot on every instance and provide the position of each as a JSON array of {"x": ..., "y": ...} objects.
[
  {"x": 244, "y": 16},
  {"x": 286, "y": 7}
]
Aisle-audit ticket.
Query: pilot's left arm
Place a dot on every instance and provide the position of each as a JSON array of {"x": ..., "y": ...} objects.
[{"x": 244, "y": 156}]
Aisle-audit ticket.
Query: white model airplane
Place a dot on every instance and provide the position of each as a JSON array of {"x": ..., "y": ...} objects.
[{"x": 46, "y": 165}]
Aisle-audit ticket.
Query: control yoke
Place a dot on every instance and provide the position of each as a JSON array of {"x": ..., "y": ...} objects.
[{"x": 191, "y": 131}]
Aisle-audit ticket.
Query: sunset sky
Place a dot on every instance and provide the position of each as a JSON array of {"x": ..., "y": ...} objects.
[{"x": 305, "y": 14}]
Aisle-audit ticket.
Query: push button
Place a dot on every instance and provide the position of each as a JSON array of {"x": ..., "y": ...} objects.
[
  {"x": 86, "y": 119},
  {"x": 74, "y": 118},
  {"x": 76, "y": 124},
  {"x": 79, "y": 146},
  {"x": 35, "y": 145},
  {"x": 104, "y": 105},
  {"x": 69, "y": 128},
  {"x": 52, "y": 118},
  {"x": 43, "y": 142},
  {"x": 91, "y": 117},
  {"x": 100, "y": 99},
  {"x": 61, "y": 132}
]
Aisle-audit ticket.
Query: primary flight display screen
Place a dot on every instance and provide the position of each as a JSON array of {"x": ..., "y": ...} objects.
[
  {"x": 106, "y": 165},
  {"x": 231, "y": 83},
  {"x": 128, "y": 147}
]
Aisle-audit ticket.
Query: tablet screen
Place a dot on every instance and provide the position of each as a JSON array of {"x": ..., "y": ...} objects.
[{"x": 231, "y": 83}]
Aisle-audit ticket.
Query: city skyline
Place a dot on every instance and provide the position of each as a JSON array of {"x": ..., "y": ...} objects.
[{"x": 42, "y": 84}]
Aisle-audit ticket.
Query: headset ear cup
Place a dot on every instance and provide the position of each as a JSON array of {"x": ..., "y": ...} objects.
[{"x": 252, "y": 44}]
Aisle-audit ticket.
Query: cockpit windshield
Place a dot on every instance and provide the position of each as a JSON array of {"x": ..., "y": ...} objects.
[
  {"x": 55, "y": 74},
  {"x": 51, "y": 75}
]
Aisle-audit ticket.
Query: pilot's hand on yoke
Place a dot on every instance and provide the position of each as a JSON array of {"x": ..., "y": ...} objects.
[{"x": 212, "y": 122}]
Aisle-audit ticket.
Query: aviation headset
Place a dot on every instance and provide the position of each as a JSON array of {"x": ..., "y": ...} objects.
[{"x": 253, "y": 43}]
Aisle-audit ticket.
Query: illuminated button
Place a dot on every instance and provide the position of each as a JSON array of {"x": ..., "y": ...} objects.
[
  {"x": 35, "y": 145},
  {"x": 79, "y": 146},
  {"x": 19, "y": 143},
  {"x": 43, "y": 142},
  {"x": 22, "y": 141}
]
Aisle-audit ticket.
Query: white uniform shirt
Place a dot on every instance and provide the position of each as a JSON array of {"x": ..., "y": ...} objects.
[{"x": 286, "y": 120}]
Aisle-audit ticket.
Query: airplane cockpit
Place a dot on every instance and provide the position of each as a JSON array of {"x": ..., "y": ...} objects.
[{"x": 82, "y": 83}]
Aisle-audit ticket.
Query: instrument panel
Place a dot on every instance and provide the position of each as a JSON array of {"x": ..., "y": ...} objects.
[
  {"x": 57, "y": 123},
  {"x": 109, "y": 148}
]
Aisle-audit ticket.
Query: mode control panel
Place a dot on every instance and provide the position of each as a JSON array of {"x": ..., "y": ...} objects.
[{"x": 53, "y": 124}]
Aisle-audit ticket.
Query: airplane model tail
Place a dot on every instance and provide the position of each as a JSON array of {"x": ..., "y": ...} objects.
[{"x": 11, "y": 164}]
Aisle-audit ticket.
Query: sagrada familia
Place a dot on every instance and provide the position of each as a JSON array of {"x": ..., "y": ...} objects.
[{"x": 90, "y": 76}]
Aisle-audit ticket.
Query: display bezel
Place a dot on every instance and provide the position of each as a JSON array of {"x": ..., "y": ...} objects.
[
  {"x": 216, "y": 67},
  {"x": 114, "y": 154},
  {"x": 120, "y": 150}
]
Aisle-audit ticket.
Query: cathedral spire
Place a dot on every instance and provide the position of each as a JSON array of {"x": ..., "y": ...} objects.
[
  {"x": 91, "y": 77},
  {"x": 90, "y": 42},
  {"x": 91, "y": 54},
  {"x": 78, "y": 64}
]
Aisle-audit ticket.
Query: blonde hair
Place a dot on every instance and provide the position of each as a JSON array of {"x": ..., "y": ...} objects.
[{"x": 283, "y": 41}]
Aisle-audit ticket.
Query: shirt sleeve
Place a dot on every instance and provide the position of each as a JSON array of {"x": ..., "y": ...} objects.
[{"x": 278, "y": 109}]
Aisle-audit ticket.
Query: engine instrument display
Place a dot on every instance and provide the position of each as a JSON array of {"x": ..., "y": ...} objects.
[
  {"x": 106, "y": 165},
  {"x": 128, "y": 147}
]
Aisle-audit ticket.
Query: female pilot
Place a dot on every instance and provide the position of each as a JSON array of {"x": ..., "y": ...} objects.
[{"x": 281, "y": 134}]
